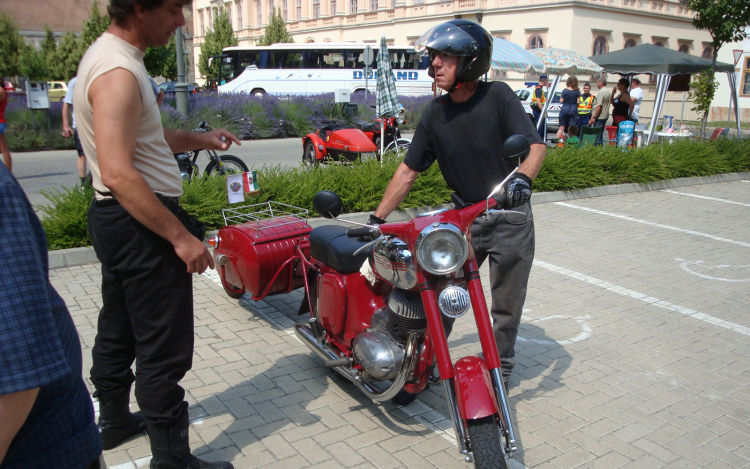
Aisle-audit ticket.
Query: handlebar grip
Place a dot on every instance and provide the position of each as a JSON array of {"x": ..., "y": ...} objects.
[{"x": 358, "y": 232}]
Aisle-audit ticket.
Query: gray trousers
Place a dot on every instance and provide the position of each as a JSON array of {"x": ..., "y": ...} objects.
[{"x": 507, "y": 240}]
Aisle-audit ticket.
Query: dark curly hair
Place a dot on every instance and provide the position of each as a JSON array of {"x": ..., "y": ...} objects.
[{"x": 119, "y": 10}]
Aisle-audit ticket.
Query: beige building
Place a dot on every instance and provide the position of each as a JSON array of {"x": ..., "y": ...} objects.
[{"x": 589, "y": 27}]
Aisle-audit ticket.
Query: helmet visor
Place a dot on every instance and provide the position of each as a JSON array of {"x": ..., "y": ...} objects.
[{"x": 449, "y": 38}]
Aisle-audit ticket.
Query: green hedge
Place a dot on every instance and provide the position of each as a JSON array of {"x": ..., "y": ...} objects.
[{"x": 361, "y": 185}]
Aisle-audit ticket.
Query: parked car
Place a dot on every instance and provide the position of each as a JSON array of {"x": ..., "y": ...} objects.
[
  {"x": 8, "y": 86},
  {"x": 56, "y": 90},
  {"x": 198, "y": 88},
  {"x": 168, "y": 87},
  {"x": 553, "y": 113}
]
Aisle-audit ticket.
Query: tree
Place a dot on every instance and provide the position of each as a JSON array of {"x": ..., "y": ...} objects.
[
  {"x": 275, "y": 31},
  {"x": 48, "y": 46},
  {"x": 33, "y": 64},
  {"x": 64, "y": 62},
  {"x": 93, "y": 27},
  {"x": 702, "y": 90},
  {"x": 220, "y": 36},
  {"x": 162, "y": 61},
  {"x": 11, "y": 46}
]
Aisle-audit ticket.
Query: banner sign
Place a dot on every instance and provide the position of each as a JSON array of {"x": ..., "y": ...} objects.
[{"x": 235, "y": 190}]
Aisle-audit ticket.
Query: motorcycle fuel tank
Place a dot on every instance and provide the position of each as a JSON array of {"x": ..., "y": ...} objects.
[{"x": 394, "y": 263}]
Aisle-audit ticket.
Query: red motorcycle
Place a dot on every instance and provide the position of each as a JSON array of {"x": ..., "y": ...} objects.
[
  {"x": 375, "y": 297},
  {"x": 393, "y": 140}
]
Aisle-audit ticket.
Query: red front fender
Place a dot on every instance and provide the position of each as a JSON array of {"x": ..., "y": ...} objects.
[
  {"x": 474, "y": 393},
  {"x": 317, "y": 143}
]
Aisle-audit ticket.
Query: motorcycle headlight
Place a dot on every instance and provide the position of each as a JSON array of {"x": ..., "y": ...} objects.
[
  {"x": 399, "y": 121},
  {"x": 441, "y": 248}
]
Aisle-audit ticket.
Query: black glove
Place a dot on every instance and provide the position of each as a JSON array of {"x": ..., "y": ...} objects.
[
  {"x": 375, "y": 221},
  {"x": 517, "y": 191}
]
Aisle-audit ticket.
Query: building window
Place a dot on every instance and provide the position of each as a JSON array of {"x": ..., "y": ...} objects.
[
  {"x": 333, "y": 7},
  {"x": 629, "y": 43},
  {"x": 299, "y": 10},
  {"x": 419, "y": 2},
  {"x": 659, "y": 43},
  {"x": 685, "y": 49},
  {"x": 535, "y": 42},
  {"x": 600, "y": 45},
  {"x": 203, "y": 23},
  {"x": 259, "y": 14},
  {"x": 239, "y": 15},
  {"x": 373, "y": 5},
  {"x": 284, "y": 10},
  {"x": 708, "y": 53},
  {"x": 316, "y": 9},
  {"x": 353, "y": 6},
  {"x": 228, "y": 9},
  {"x": 210, "y": 18},
  {"x": 745, "y": 91}
]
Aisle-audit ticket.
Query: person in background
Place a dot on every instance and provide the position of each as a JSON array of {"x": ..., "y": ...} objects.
[
  {"x": 636, "y": 94},
  {"x": 46, "y": 413},
  {"x": 158, "y": 92},
  {"x": 68, "y": 131},
  {"x": 569, "y": 112},
  {"x": 4, "y": 125},
  {"x": 622, "y": 104},
  {"x": 585, "y": 106},
  {"x": 537, "y": 104},
  {"x": 573, "y": 135},
  {"x": 601, "y": 112}
]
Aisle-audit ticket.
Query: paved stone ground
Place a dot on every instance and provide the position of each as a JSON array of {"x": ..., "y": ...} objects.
[{"x": 634, "y": 352}]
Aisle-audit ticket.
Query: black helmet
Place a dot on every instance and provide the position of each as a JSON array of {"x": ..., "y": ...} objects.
[{"x": 465, "y": 39}]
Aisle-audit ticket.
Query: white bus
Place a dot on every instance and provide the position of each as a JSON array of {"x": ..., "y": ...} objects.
[{"x": 300, "y": 69}]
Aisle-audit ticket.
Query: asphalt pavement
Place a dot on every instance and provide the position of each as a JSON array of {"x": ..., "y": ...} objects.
[{"x": 633, "y": 352}]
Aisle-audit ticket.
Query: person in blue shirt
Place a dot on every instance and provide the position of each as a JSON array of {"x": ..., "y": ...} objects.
[{"x": 46, "y": 413}]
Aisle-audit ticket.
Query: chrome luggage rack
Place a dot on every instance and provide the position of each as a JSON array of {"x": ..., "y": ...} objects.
[{"x": 265, "y": 216}]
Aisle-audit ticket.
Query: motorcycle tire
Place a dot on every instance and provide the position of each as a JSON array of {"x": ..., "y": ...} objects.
[
  {"x": 233, "y": 291},
  {"x": 233, "y": 165},
  {"x": 484, "y": 435},
  {"x": 403, "y": 147},
  {"x": 308, "y": 157}
]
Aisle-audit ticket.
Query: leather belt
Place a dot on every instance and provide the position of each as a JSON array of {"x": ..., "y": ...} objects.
[{"x": 111, "y": 201}]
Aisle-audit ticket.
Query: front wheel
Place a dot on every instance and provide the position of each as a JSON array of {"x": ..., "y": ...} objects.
[
  {"x": 308, "y": 157},
  {"x": 400, "y": 147},
  {"x": 484, "y": 436},
  {"x": 230, "y": 164}
]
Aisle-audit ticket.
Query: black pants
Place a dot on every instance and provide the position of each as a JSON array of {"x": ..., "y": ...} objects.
[
  {"x": 507, "y": 240},
  {"x": 147, "y": 315}
]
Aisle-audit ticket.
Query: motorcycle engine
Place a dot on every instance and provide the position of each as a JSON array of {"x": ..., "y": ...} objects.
[
  {"x": 380, "y": 350},
  {"x": 183, "y": 161}
]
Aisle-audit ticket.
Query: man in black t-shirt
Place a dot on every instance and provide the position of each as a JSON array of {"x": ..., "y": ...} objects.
[{"x": 464, "y": 132}]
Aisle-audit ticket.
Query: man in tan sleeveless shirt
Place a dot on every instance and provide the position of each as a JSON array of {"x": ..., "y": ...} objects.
[{"x": 147, "y": 255}]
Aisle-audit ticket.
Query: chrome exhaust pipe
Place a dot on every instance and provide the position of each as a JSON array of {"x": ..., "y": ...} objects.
[{"x": 329, "y": 355}]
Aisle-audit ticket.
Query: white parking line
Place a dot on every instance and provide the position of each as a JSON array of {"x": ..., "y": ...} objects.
[
  {"x": 658, "y": 225},
  {"x": 645, "y": 298},
  {"x": 707, "y": 198}
]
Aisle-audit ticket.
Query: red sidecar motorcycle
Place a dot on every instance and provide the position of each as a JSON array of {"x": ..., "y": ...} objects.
[
  {"x": 337, "y": 143},
  {"x": 375, "y": 297}
]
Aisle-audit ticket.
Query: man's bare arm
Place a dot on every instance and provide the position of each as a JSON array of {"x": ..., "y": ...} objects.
[
  {"x": 183, "y": 140},
  {"x": 67, "y": 130},
  {"x": 115, "y": 132},
  {"x": 397, "y": 190},
  {"x": 533, "y": 163},
  {"x": 14, "y": 409}
]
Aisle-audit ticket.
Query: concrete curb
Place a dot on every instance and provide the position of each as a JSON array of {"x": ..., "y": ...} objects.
[{"x": 86, "y": 255}]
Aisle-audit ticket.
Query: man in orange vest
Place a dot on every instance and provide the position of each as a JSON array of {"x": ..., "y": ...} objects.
[
  {"x": 537, "y": 104},
  {"x": 585, "y": 106}
]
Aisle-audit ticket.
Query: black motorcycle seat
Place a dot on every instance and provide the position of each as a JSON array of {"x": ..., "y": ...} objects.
[
  {"x": 365, "y": 126},
  {"x": 330, "y": 245}
]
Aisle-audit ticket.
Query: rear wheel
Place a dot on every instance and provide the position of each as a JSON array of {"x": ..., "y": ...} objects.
[
  {"x": 230, "y": 165},
  {"x": 232, "y": 290},
  {"x": 308, "y": 157},
  {"x": 484, "y": 436},
  {"x": 258, "y": 92}
]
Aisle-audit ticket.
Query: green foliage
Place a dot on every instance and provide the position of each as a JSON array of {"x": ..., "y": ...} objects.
[
  {"x": 33, "y": 64},
  {"x": 162, "y": 61},
  {"x": 64, "y": 221},
  {"x": 64, "y": 63},
  {"x": 361, "y": 185},
  {"x": 48, "y": 46},
  {"x": 220, "y": 36},
  {"x": 703, "y": 87},
  {"x": 93, "y": 27},
  {"x": 276, "y": 30},
  {"x": 11, "y": 46},
  {"x": 725, "y": 20}
]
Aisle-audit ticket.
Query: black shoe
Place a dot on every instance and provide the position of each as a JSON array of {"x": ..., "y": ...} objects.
[
  {"x": 403, "y": 398},
  {"x": 116, "y": 422},
  {"x": 170, "y": 447}
]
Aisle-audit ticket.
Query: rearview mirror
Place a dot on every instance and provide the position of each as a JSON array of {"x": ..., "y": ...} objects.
[
  {"x": 328, "y": 204},
  {"x": 516, "y": 146}
]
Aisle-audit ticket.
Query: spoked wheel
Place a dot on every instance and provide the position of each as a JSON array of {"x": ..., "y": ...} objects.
[
  {"x": 308, "y": 157},
  {"x": 231, "y": 165},
  {"x": 232, "y": 290},
  {"x": 400, "y": 151},
  {"x": 484, "y": 435}
]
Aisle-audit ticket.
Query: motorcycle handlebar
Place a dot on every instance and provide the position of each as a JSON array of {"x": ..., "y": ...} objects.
[{"x": 359, "y": 232}]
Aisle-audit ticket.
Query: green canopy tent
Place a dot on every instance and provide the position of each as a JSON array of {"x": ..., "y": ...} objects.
[{"x": 648, "y": 58}]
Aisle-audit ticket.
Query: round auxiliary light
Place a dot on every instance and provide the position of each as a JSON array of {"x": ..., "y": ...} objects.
[{"x": 441, "y": 248}]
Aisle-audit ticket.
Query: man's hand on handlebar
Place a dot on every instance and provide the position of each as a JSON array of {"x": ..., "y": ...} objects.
[
  {"x": 219, "y": 139},
  {"x": 375, "y": 221},
  {"x": 517, "y": 191}
]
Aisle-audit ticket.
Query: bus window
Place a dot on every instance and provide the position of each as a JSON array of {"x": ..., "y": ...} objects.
[
  {"x": 248, "y": 58},
  {"x": 287, "y": 60}
]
